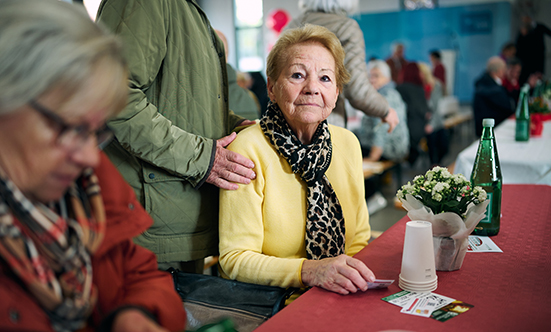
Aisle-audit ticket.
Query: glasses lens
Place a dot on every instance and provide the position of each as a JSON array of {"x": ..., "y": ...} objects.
[{"x": 76, "y": 137}]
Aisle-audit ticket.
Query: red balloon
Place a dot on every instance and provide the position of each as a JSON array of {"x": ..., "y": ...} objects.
[{"x": 277, "y": 19}]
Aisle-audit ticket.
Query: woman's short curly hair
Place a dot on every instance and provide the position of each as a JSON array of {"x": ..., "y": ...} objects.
[{"x": 308, "y": 33}]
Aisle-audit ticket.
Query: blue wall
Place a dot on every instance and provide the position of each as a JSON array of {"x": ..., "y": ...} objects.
[{"x": 475, "y": 32}]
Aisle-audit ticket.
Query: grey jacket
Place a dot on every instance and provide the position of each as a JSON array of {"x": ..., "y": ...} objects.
[{"x": 359, "y": 92}]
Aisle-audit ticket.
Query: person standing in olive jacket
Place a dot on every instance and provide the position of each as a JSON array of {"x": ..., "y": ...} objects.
[
  {"x": 171, "y": 137},
  {"x": 358, "y": 91}
]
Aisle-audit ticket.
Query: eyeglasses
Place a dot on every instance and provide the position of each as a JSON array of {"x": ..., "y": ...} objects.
[{"x": 73, "y": 137}]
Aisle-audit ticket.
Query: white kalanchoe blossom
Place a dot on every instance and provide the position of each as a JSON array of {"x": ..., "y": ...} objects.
[
  {"x": 458, "y": 179},
  {"x": 480, "y": 194},
  {"x": 400, "y": 194},
  {"x": 440, "y": 186},
  {"x": 446, "y": 174},
  {"x": 429, "y": 175},
  {"x": 437, "y": 197}
]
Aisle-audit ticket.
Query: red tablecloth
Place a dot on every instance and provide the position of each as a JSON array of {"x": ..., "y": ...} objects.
[{"x": 510, "y": 291}]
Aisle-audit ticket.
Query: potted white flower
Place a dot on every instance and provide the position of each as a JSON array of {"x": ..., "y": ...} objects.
[{"x": 452, "y": 205}]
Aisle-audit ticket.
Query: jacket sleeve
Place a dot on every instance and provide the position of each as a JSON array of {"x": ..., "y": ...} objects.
[
  {"x": 140, "y": 128},
  {"x": 125, "y": 273},
  {"x": 145, "y": 286},
  {"x": 359, "y": 92}
]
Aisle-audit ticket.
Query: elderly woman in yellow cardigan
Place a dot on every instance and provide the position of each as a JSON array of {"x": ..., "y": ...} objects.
[{"x": 303, "y": 217}]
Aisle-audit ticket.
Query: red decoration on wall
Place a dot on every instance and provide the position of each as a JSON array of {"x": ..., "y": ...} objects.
[{"x": 277, "y": 19}]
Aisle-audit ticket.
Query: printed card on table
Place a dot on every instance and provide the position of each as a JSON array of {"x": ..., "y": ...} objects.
[
  {"x": 406, "y": 298},
  {"x": 482, "y": 244},
  {"x": 450, "y": 311},
  {"x": 424, "y": 305},
  {"x": 435, "y": 306},
  {"x": 379, "y": 283}
]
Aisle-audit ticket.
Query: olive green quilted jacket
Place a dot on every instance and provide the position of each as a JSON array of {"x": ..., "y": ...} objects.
[{"x": 177, "y": 108}]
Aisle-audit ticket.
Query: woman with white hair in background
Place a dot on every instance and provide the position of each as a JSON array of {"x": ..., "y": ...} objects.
[
  {"x": 376, "y": 142},
  {"x": 332, "y": 14}
]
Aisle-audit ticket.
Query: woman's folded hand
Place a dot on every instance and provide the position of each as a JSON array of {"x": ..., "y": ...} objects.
[{"x": 341, "y": 274}]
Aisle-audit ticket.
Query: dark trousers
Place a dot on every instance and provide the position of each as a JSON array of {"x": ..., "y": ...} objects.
[{"x": 439, "y": 144}]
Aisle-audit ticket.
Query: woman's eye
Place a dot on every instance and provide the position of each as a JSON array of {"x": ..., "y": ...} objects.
[
  {"x": 297, "y": 75},
  {"x": 325, "y": 78}
]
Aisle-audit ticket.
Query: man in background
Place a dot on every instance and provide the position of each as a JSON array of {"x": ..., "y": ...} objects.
[
  {"x": 397, "y": 63},
  {"x": 491, "y": 99}
]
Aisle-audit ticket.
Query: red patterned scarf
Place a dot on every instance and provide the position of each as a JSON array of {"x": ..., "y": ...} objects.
[{"x": 50, "y": 251}]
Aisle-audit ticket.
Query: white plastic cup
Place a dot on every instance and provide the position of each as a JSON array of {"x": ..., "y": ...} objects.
[{"x": 418, "y": 267}]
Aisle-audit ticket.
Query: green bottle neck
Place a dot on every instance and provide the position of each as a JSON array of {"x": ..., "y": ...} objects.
[{"x": 487, "y": 133}]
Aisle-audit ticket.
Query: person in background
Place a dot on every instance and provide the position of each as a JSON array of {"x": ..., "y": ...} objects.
[
  {"x": 374, "y": 138},
  {"x": 491, "y": 99},
  {"x": 377, "y": 144},
  {"x": 438, "y": 69},
  {"x": 171, "y": 136},
  {"x": 508, "y": 51},
  {"x": 511, "y": 78},
  {"x": 332, "y": 14},
  {"x": 67, "y": 217},
  {"x": 438, "y": 138},
  {"x": 258, "y": 87},
  {"x": 530, "y": 47},
  {"x": 242, "y": 101},
  {"x": 397, "y": 63},
  {"x": 305, "y": 215},
  {"x": 417, "y": 108}
]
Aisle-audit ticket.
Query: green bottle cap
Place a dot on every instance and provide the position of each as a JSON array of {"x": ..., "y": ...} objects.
[{"x": 488, "y": 122}]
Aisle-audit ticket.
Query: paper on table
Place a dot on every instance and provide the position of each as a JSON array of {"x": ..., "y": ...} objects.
[
  {"x": 482, "y": 244},
  {"x": 424, "y": 306},
  {"x": 403, "y": 298}
]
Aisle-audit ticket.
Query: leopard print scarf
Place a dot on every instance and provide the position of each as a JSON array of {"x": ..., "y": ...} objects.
[{"x": 324, "y": 219}]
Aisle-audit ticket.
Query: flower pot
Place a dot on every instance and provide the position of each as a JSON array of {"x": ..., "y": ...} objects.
[{"x": 449, "y": 253}]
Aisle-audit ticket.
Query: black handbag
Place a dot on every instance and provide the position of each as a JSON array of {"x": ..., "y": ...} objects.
[{"x": 209, "y": 299}]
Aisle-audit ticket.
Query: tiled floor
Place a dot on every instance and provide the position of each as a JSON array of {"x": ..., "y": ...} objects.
[{"x": 460, "y": 137}]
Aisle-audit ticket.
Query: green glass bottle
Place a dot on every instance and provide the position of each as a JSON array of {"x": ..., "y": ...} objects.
[
  {"x": 522, "y": 130},
  {"x": 487, "y": 174}
]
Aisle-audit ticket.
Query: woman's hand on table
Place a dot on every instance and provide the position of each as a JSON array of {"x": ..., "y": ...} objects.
[
  {"x": 134, "y": 320},
  {"x": 341, "y": 274}
]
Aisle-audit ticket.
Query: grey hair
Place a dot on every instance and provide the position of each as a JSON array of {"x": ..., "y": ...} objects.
[
  {"x": 495, "y": 64},
  {"x": 47, "y": 44},
  {"x": 381, "y": 65},
  {"x": 395, "y": 46},
  {"x": 346, "y": 7}
]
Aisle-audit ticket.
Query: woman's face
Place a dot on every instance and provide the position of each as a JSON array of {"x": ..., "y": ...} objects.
[
  {"x": 31, "y": 154},
  {"x": 306, "y": 89},
  {"x": 377, "y": 79}
]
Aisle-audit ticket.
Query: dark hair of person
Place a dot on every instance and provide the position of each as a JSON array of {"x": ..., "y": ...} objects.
[
  {"x": 508, "y": 46},
  {"x": 436, "y": 54}
]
